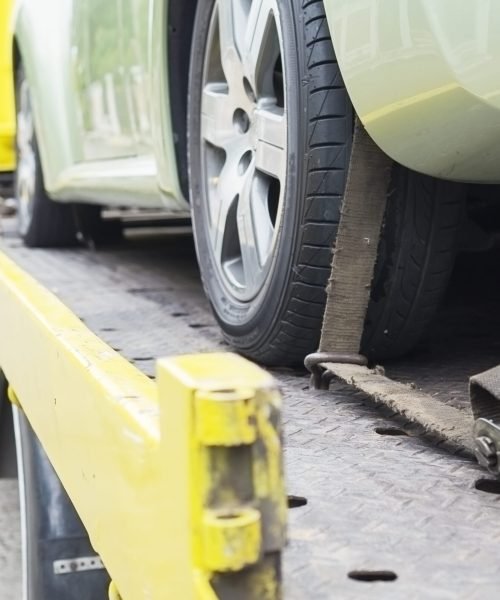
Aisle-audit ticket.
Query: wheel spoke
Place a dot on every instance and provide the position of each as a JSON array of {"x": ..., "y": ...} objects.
[
  {"x": 264, "y": 228},
  {"x": 228, "y": 36},
  {"x": 271, "y": 135},
  {"x": 246, "y": 229},
  {"x": 216, "y": 123},
  {"x": 223, "y": 197},
  {"x": 260, "y": 47},
  {"x": 23, "y": 136},
  {"x": 25, "y": 125}
]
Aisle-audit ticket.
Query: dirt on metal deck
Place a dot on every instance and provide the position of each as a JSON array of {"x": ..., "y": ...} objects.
[{"x": 380, "y": 496}]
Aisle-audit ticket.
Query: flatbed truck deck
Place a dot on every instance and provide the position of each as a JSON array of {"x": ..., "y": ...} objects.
[{"x": 380, "y": 509}]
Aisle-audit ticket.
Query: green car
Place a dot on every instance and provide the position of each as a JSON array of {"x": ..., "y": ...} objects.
[{"x": 240, "y": 112}]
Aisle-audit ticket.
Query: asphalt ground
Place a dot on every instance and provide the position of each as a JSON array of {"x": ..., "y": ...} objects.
[{"x": 381, "y": 495}]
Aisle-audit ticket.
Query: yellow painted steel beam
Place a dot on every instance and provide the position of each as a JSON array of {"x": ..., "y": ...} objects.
[{"x": 179, "y": 482}]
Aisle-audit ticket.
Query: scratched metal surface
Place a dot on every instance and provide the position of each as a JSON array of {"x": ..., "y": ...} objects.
[{"x": 401, "y": 503}]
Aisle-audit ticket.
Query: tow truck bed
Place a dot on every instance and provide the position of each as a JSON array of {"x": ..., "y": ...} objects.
[{"x": 402, "y": 504}]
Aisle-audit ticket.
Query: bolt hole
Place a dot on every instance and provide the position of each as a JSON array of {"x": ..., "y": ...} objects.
[
  {"x": 249, "y": 90},
  {"x": 296, "y": 501},
  {"x": 245, "y": 161},
  {"x": 241, "y": 120},
  {"x": 198, "y": 325},
  {"x": 372, "y": 575},
  {"x": 490, "y": 486},
  {"x": 395, "y": 431},
  {"x": 228, "y": 516},
  {"x": 142, "y": 358}
]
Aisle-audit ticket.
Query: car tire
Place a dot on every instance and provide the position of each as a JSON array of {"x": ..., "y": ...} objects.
[
  {"x": 280, "y": 322},
  {"x": 41, "y": 221},
  {"x": 50, "y": 528},
  {"x": 416, "y": 256}
]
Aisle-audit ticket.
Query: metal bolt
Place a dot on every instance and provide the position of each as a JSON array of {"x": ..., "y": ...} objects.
[{"x": 485, "y": 451}]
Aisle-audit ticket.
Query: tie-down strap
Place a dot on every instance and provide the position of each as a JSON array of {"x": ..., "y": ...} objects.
[
  {"x": 356, "y": 245},
  {"x": 348, "y": 295}
]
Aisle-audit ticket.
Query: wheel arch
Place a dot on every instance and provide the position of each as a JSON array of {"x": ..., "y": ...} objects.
[
  {"x": 180, "y": 21},
  {"x": 424, "y": 99}
]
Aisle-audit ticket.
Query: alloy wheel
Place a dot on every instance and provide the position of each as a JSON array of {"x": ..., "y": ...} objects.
[{"x": 244, "y": 141}]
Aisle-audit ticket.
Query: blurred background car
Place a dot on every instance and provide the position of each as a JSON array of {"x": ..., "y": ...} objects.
[{"x": 7, "y": 110}]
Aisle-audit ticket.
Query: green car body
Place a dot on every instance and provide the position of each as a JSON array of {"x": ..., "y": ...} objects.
[
  {"x": 100, "y": 113},
  {"x": 422, "y": 75}
]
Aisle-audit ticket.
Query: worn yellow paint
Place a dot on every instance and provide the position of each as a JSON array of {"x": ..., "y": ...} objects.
[
  {"x": 232, "y": 539},
  {"x": 225, "y": 470},
  {"x": 172, "y": 505},
  {"x": 226, "y": 418}
]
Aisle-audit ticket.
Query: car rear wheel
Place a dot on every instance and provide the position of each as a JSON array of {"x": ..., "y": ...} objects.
[
  {"x": 41, "y": 221},
  {"x": 270, "y": 132}
]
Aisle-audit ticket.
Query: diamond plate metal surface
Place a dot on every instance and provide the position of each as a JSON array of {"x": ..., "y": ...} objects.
[{"x": 399, "y": 503}]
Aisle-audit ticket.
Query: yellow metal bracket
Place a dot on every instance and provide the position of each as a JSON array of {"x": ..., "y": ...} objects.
[{"x": 179, "y": 482}]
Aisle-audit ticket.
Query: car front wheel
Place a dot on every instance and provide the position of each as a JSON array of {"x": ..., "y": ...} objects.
[{"x": 270, "y": 129}]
